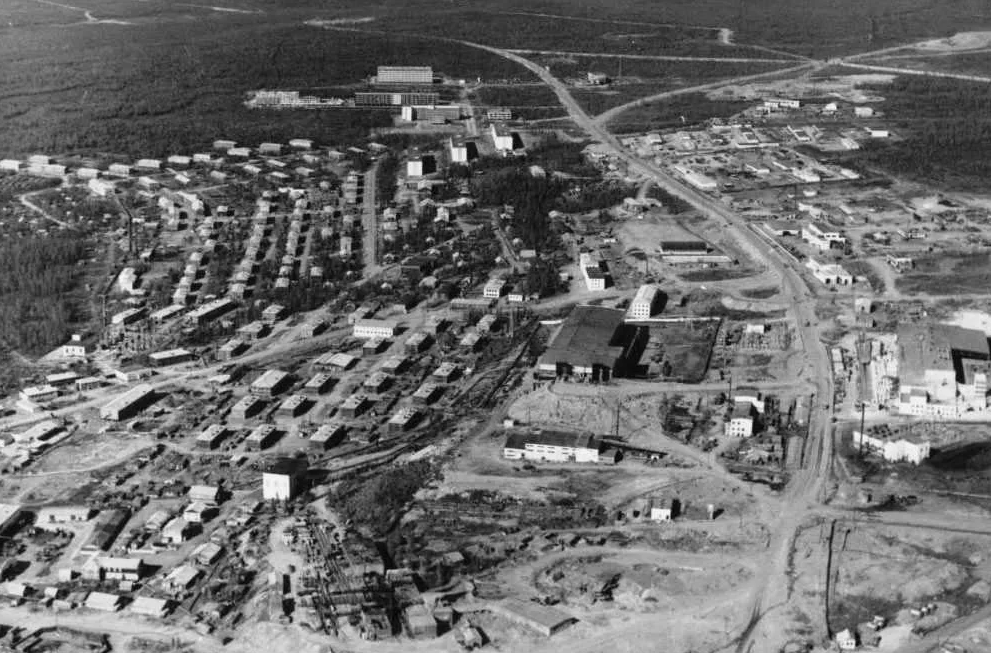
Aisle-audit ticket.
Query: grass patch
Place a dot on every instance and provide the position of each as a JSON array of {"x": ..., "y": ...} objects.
[
  {"x": 948, "y": 275},
  {"x": 678, "y": 111},
  {"x": 866, "y": 270}
]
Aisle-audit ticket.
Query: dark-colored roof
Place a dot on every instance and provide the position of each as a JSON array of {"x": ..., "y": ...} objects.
[
  {"x": 684, "y": 246},
  {"x": 291, "y": 466},
  {"x": 519, "y": 439},
  {"x": 586, "y": 338},
  {"x": 935, "y": 346}
]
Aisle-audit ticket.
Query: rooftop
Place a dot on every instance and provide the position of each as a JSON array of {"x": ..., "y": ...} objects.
[
  {"x": 519, "y": 439},
  {"x": 586, "y": 337},
  {"x": 939, "y": 347}
]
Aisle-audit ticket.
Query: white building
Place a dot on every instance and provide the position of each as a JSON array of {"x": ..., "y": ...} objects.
[
  {"x": 822, "y": 236},
  {"x": 283, "y": 480},
  {"x": 375, "y": 328},
  {"x": 552, "y": 446},
  {"x": 741, "y": 423},
  {"x": 829, "y": 274},
  {"x": 493, "y": 288},
  {"x": 846, "y": 640},
  {"x": 501, "y": 139},
  {"x": 458, "y": 151},
  {"x": 896, "y": 449},
  {"x": 592, "y": 272},
  {"x": 644, "y": 302}
]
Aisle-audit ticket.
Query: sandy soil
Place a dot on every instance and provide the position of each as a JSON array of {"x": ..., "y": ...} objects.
[
  {"x": 958, "y": 42},
  {"x": 844, "y": 87}
]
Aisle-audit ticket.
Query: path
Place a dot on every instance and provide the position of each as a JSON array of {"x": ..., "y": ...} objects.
[
  {"x": 651, "y": 57},
  {"x": 369, "y": 226},
  {"x": 24, "y": 199}
]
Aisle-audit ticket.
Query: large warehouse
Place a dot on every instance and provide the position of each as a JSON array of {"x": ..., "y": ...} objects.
[
  {"x": 942, "y": 369},
  {"x": 129, "y": 404},
  {"x": 591, "y": 343}
]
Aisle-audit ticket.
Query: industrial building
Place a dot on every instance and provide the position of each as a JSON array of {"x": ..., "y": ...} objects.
[
  {"x": 284, "y": 479},
  {"x": 270, "y": 384},
  {"x": 942, "y": 370},
  {"x": 404, "y": 75},
  {"x": 897, "y": 448},
  {"x": 552, "y": 446},
  {"x": 644, "y": 302},
  {"x": 129, "y": 404},
  {"x": 592, "y": 342}
]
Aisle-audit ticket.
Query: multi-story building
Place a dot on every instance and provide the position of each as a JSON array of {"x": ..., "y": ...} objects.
[
  {"x": 741, "y": 423},
  {"x": 269, "y": 384},
  {"x": 372, "y": 327},
  {"x": 128, "y": 404},
  {"x": 822, "y": 236},
  {"x": 905, "y": 448},
  {"x": 644, "y": 302}
]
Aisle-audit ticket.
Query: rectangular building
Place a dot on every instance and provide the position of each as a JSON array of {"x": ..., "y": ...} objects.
[
  {"x": 262, "y": 437},
  {"x": 293, "y": 406},
  {"x": 552, "y": 446},
  {"x": 328, "y": 435},
  {"x": 371, "y": 328},
  {"x": 644, "y": 303},
  {"x": 270, "y": 384},
  {"x": 247, "y": 407},
  {"x": 211, "y": 437},
  {"x": 170, "y": 357},
  {"x": 404, "y": 75},
  {"x": 355, "y": 405},
  {"x": 319, "y": 384},
  {"x": 129, "y": 404}
]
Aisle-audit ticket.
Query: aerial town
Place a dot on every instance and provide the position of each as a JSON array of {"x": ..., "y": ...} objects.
[{"x": 487, "y": 381}]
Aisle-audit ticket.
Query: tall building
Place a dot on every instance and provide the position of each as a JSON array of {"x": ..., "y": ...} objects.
[{"x": 283, "y": 480}]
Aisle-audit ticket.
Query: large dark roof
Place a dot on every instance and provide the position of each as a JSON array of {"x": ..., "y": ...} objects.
[
  {"x": 586, "y": 338},
  {"x": 519, "y": 439},
  {"x": 683, "y": 246},
  {"x": 934, "y": 346}
]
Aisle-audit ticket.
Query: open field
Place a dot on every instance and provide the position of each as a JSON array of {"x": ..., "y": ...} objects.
[
  {"x": 528, "y": 101},
  {"x": 688, "y": 109},
  {"x": 947, "y": 275}
]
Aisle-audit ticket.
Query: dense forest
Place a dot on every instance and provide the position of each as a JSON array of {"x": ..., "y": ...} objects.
[
  {"x": 946, "y": 125},
  {"x": 38, "y": 281}
]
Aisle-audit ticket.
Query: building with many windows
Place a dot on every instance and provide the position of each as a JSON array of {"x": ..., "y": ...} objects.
[
  {"x": 552, "y": 446},
  {"x": 644, "y": 303},
  {"x": 404, "y": 75}
]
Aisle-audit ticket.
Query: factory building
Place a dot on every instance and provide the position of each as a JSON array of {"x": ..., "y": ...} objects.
[
  {"x": 129, "y": 404},
  {"x": 592, "y": 342},
  {"x": 942, "y": 370},
  {"x": 552, "y": 446},
  {"x": 284, "y": 479}
]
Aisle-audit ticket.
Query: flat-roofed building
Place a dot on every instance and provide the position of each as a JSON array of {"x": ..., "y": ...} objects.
[
  {"x": 273, "y": 313},
  {"x": 371, "y": 328},
  {"x": 644, "y": 302},
  {"x": 319, "y": 384},
  {"x": 592, "y": 343},
  {"x": 355, "y": 405},
  {"x": 231, "y": 349},
  {"x": 446, "y": 372},
  {"x": 377, "y": 382},
  {"x": 62, "y": 378},
  {"x": 39, "y": 393},
  {"x": 284, "y": 479},
  {"x": 88, "y": 383},
  {"x": 262, "y": 437},
  {"x": 128, "y": 316},
  {"x": 404, "y": 419},
  {"x": 552, "y": 446},
  {"x": 247, "y": 407},
  {"x": 170, "y": 357},
  {"x": 395, "y": 365},
  {"x": 375, "y": 345},
  {"x": 404, "y": 75},
  {"x": 211, "y": 436},
  {"x": 294, "y": 406},
  {"x": 427, "y": 393},
  {"x": 741, "y": 423},
  {"x": 494, "y": 288},
  {"x": 211, "y": 311},
  {"x": 129, "y": 404},
  {"x": 55, "y": 516},
  {"x": 270, "y": 384},
  {"x": 895, "y": 448},
  {"x": 254, "y": 331},
  {"x": 328, "y": 435}
]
